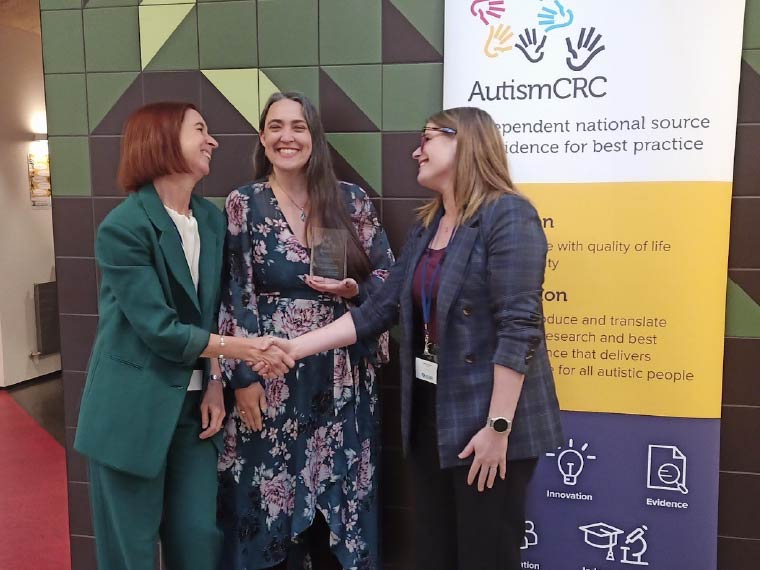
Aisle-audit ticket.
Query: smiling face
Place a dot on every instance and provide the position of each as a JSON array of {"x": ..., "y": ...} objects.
[
  {"x": 286, "y": 137},
  {"x": 436, "y": 158},
  {"x": 196, "y": 144}
]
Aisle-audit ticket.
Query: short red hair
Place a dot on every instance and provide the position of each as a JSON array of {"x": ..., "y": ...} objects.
[{"x": 151, "y": 147}]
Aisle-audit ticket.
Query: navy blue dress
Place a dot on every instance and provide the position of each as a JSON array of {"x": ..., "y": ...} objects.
[{"x": 318, "y": 449}]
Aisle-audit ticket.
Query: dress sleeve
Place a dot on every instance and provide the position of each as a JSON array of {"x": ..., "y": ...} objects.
[{"x": 238, "y": 312}]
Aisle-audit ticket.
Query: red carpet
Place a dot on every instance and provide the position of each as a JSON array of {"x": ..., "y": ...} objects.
[{"x": 34, "y": 526}]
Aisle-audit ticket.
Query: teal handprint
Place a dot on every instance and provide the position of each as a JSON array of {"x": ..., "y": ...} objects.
[{"x": 553, "y": 19}]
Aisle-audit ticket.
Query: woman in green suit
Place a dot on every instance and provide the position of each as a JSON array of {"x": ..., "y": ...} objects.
[{"x": 152, "y": 407}]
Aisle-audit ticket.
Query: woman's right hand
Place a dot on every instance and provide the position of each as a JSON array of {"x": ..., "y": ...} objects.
[
  {"x": 251, "y": 403},
  {"x": 286, "y": 346},
  {"x": 263, "y": 351}
]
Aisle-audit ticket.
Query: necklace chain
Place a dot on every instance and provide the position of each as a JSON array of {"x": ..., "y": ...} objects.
[{"x": 289, "y": 197}]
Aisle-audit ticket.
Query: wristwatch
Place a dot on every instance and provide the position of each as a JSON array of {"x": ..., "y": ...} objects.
[
  {"x": 500, "y": 425},
  {"x": 218, "y": 378}
]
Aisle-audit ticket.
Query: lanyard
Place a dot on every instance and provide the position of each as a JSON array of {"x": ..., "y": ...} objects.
[{"x": 427, "y": 297}]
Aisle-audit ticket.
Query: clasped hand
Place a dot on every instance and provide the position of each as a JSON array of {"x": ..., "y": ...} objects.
[
  {"x": 269, "y": 359},
  {"x": 276, "y": 358}
]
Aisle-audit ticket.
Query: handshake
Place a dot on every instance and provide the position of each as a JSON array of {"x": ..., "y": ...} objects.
[{"x": 273, "y": 356}]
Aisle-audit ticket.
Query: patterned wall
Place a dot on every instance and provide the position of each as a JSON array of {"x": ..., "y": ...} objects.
[
  {"x": 739, "y": 523},
  {"x": 374, "y": 67}
]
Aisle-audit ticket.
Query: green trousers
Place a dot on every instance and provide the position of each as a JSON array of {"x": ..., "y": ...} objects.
[{"x": 179, "y": 506}]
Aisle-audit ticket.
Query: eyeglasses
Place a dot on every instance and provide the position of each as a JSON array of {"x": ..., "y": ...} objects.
[{"x": 425, "y": 138}]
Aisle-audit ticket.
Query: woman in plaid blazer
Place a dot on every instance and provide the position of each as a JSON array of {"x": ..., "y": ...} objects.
[{"x": 478, "y": 402}]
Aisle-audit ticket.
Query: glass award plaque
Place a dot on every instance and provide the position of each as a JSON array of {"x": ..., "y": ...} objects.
[{"x": 328, "y": 253}]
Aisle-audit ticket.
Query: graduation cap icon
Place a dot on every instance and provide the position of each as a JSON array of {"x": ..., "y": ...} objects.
[{"x": 601, "y": 535}]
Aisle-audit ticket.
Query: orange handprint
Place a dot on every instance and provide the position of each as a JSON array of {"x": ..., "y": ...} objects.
[{"x": 498, "y": 40}]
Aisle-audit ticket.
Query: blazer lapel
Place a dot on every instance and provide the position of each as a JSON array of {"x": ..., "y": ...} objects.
[
  {"x": 169, "y": 241},
  {"x": 454, "y": 269},
  {"x": 209, "y": 273}
]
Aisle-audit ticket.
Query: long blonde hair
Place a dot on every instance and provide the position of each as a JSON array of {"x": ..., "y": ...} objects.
[{"x": 482, "y": 173}]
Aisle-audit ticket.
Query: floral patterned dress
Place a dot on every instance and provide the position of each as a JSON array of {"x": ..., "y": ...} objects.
[{"x": 319, "y": 446}]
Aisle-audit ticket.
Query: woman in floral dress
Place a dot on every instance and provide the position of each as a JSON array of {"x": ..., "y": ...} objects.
[{"x": 301, "y": 447}]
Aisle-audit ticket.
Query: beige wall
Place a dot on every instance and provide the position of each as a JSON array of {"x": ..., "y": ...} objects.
[{"x": 26, "y": 234}]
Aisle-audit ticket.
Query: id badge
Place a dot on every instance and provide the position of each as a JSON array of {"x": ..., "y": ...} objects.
[{"x": 426, "y": 370}]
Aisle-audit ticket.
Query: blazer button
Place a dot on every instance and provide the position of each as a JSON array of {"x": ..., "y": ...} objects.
[
  {"x": 469, "y": 359},
  {"x": 467, "y": 311}
]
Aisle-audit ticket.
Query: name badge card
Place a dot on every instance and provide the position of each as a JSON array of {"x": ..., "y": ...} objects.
[{"x": 426, "y": 370}]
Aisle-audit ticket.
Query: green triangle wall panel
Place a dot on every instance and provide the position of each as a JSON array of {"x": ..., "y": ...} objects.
[
  {"x": 103, "y": 92},
  {"x": 363, "y": 151},
  {"x": 240, "y": 89},
  {"x": 426, "y": 17},
  {"x": 742, "y": 313},
  {"x": 303, "y": 79},
  {"x": 179, "y": 50},
  {"x": 363, "y": 85}
]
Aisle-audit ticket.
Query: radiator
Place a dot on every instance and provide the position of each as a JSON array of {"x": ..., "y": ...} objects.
[{"x": 46, "y": 318}]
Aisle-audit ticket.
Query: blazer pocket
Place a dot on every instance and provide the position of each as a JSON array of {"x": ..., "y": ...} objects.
[{"x": 125, "y": 361}]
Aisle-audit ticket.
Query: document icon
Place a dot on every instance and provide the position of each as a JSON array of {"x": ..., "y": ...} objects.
[{"x": 666, "y": 468}]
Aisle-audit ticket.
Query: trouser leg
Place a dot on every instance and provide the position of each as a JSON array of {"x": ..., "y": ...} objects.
[
  {"x": 190, "y": 537},
  {"x": 434, "y": 517},
  {"x": 126, "y": 517},
  {"x": 491, "y": 524}
]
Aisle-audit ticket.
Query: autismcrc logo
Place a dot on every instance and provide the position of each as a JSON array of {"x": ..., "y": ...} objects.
[{"x": 500, "y": 39}]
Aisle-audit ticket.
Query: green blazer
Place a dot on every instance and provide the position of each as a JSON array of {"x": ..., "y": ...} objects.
[{"x": 152, "y": 329}]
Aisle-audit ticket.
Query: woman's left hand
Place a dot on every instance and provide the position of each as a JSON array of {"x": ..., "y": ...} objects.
[
  {"x": 212, "y": 409},
  {"x": 490, "y": 449},
  {"x": 347, "y": 288}
]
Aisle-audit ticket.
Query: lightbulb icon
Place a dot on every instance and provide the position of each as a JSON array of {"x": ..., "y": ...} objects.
[{"x": 571, "y": 462}]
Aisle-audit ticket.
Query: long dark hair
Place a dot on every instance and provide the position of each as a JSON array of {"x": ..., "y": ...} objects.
[{"x": 328, "y": 209}]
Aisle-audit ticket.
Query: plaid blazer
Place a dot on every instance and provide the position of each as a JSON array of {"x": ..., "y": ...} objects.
[{"x": 489, "y": 311}]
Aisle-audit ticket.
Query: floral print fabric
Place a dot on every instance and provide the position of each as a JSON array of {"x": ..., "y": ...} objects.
[{"x": 318, "y": 449}]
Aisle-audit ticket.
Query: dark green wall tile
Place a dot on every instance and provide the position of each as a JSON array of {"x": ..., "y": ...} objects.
[
  {"x": 66, "y": 104},
  {"x": 411, "y": 93},
  {"x": 112, "y": 39},
  {"x": 62, "y": 45},
  {"x": 70, "y": 166},
  {"x": 227, "y": 35},
  {"x": 288, "y": 31},
  {"x": 350, "y": 31}
]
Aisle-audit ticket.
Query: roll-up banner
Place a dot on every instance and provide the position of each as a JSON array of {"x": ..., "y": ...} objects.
[{"x": 619, "y": 120}]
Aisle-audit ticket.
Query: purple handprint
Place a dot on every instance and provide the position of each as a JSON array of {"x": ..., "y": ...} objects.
[{"x": 494, "y": 8}]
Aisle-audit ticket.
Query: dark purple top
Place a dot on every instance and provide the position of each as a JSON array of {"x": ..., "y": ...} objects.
[{"x": 432, "y": 258}]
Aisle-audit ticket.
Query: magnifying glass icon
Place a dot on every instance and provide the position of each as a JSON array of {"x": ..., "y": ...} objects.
[{"x": 670, "y": 475}]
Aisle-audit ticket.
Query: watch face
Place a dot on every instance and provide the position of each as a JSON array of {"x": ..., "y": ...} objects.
[{"x": 500, "y": 425}]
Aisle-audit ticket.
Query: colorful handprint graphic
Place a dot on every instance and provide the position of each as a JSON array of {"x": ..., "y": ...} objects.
[
  {"x": 552, "y": 19},
  {"x": 498, "y": 40},
  {"x": 530, "y": 47},
  {"x": 484, "y": 8},
  {"x": 585, "y": 50}
]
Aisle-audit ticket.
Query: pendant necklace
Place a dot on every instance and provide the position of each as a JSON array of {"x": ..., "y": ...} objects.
[{"x": 302, "y": 216}]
